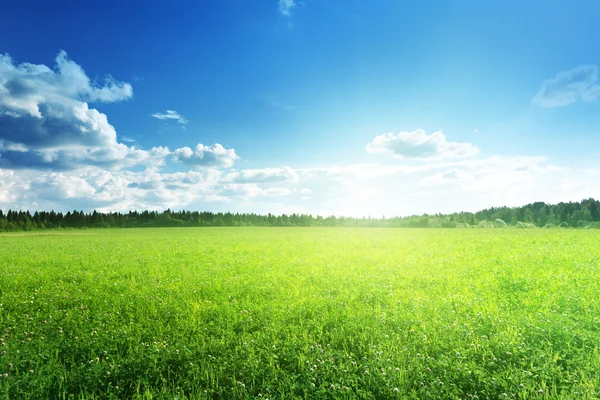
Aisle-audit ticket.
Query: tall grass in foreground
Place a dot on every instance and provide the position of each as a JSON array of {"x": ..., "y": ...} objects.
[{"x": 298, "y": 313}]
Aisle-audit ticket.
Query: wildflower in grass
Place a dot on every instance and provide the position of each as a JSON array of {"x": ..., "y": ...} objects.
[
  {"x": 31, "y": 371},
  {"x": 396, "y": 389}
]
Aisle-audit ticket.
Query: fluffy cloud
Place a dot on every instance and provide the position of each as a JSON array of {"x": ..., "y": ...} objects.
[
  {"x": 579, "y": 83},
  {"x": 26, "y": 86},
  {"x": 419, "y": 145},
  {"x": 46, "y": 122},
  {"x": 171, "y": 115},
  {"x": 206, "y": 156},
  {"x": 286, "y": 6}
]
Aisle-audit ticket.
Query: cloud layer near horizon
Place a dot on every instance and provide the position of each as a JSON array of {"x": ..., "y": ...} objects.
[{"x": 57, "y": 151}]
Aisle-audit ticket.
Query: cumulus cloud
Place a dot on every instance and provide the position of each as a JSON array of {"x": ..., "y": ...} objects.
[
  {"x": 286, "y": 6},
  {"x": 24, "y": 87},
  {"x": 57, "y": 186},
  {"x": 419, "y": 145},
  {"x": 171, "y": 115},
  {"x": 46, "y": 122},
  {"x": 206, "y": 156},
  {"x": 579, "y": 83}
]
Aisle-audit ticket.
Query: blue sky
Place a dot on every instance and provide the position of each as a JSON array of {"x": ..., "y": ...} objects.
[{"x": 322, "y": 106}]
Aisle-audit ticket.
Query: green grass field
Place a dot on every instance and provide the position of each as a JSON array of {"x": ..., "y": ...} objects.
[{"x": 278, "y": 313}]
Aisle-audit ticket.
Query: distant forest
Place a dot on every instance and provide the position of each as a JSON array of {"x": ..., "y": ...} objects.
[{"x": 584, "y": 214}]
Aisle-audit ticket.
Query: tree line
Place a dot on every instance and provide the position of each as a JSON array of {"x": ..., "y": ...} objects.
[{"x": 584, "y": 214}]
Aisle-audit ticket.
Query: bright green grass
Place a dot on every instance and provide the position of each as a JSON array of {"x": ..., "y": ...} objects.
[{"x": 300, "y": 313}]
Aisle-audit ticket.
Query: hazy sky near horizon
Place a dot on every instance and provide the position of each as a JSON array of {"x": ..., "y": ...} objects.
[{"x": 321, "y": 106}]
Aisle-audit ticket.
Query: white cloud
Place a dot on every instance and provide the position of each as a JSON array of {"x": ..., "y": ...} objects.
[
  {"x": 47, "y": 123},
  {"x": 27, "y": 86},
  {"x": 286, "y": 6},
  {"x": 57, "y": 186},
  {"x": 247, "y": 191},
  {"x": 357, "y": 190},
  {"x": 171, "y": 115},
  {"x": 419, "y": 145},
  {"x": 206, "y": 156},
  {"x": 265, "y": 175},
  {"x": 579, "y": 83}
]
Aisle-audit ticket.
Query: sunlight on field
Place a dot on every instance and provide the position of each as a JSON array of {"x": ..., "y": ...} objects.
[{"x": 300, "y": 313}]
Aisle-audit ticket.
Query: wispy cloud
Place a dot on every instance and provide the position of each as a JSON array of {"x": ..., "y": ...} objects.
[
  {"x": 286, "y": 7},
  {"x": 127, "y": 139},
  {"x": 171, "y": 115},
  {"x": 579, "y": 83},
  {"x": 419, "y": 145}
]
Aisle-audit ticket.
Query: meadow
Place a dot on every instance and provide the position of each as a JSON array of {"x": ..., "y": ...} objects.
[{"x": 300, "y": 313}]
